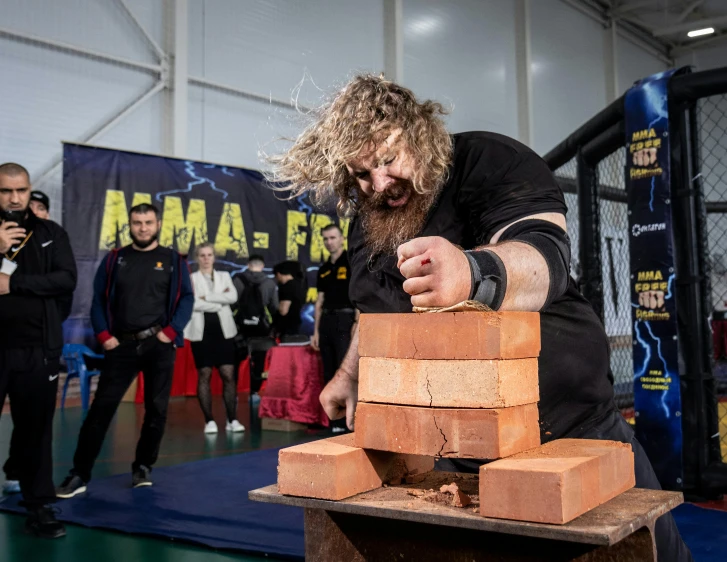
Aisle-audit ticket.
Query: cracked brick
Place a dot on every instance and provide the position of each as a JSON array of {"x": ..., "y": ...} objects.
[
  {"x": 467, "y": 433},
  {"x": 449, "y": 383}
]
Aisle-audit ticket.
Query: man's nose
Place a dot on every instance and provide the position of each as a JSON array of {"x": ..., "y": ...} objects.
[
  {"x": 14, "y": 197},
  {"x": 380, "y": 180}
]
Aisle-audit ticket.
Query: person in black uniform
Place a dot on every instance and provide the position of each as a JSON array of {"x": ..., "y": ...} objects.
[
  {"x": 291, "y": 294},
  {"x": 440, "y": 219},
  {"x": 334, "y": 313},
  {"x": 36, "y": 287},
  {"x": 142, "y": 301}
]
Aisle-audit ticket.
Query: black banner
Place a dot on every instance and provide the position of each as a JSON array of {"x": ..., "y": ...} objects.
[
  {"x": 233, "y": 208},
  {"x": 657, "y": 397}
]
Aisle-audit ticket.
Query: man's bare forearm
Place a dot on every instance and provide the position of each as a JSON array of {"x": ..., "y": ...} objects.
[
  {"x": 528, "y": 279},
  {"x": 350, "y": 361}
]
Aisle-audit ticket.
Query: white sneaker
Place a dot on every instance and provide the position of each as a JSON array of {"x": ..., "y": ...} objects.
[
  {"x": 338, "y": 429},
  {"x": 234, "y": 426},
  {"x": 210, "y": 427},
  {"x": 11, "y": 487}
]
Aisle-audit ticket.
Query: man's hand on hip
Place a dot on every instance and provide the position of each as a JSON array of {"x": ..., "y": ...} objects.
[
  {"x": 340, "y": 396},
  {"x": 162, "y": 337},
  {"x": 110, "y": 344},
  {"x": 10, "y": 234},
  {"x": 437, "y": 272}
]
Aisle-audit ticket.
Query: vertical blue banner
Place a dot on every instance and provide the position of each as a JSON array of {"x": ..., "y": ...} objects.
[{"x": 657, "y": 398}]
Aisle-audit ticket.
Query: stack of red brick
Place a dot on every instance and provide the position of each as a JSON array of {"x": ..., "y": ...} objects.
[{"x": 458, "y": 385}]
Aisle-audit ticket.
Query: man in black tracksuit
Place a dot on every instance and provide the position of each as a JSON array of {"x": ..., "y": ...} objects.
[{"x": 36, "y": 285}]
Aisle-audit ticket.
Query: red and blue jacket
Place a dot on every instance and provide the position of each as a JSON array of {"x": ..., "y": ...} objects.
[{"x": 181, "y": 298}]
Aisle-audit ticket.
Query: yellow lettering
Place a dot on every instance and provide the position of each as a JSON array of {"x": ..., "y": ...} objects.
[
  {"x": 652, "y": 133},
  {"x": 175, "y": 228},
  {"x": 295, "y": 238},
  {"x": 231, "y": 233},
  {"x": 115, "y": 221},
  {"x": 312, "y": 295},
  {"x": 344, "y": 224},
  {"x": 318, "y": 252},
  {"x": 140, "y": 198}
]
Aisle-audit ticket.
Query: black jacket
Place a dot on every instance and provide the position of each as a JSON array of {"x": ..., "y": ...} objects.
[{"x": 54, "y": 282}]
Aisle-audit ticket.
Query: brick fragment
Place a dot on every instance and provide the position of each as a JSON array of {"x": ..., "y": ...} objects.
[
  {"x": 450, "y": 335},
  {"x": 557, "y": 482},
  {"x": 447, "y": 432},
  {"x": 480, "y": 383},
  {"x": 334, "y": 469}
]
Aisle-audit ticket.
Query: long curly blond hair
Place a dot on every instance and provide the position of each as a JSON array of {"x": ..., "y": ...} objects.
[{"x": 362, "y": 114}]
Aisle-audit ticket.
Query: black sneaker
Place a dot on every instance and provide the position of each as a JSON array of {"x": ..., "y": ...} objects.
[
  {"x": 71, "y": 486},
  {"x": 42, "y": 523},
  {"x": 140, "y": 477}
]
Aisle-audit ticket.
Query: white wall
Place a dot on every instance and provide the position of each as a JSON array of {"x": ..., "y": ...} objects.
[{"x": 460, "y": 52}]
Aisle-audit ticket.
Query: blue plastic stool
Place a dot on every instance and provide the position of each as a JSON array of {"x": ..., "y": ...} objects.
[{"x": 74, "y": 357}]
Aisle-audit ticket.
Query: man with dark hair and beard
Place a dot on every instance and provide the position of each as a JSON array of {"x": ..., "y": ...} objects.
[
  {"x": 439, "y": 219},
  {"x": 142, "y": 300},
  {"x": 37, "y": 279}
]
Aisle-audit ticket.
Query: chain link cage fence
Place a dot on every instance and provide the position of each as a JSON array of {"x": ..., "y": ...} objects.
[
  {"x": 713, "y": 141},
  {"x": 615, "y": 271},
  {"x": 614, "y": 259}
]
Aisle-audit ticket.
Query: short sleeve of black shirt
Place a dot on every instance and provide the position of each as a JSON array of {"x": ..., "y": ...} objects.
[
  {"x": 294, "y": 292},
  {"x": 498, "y": 181}
]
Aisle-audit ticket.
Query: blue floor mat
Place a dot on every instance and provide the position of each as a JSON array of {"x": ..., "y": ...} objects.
[
  {"x": 704, "y": 531},
  {"x": 203, "y": 502},
  {"x": 206, "y": 502}
]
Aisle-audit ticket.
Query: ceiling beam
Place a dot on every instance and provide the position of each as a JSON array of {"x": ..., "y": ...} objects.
[
  {"x": 688, "y": 10},
  {"x": 690, "y": 25},
  {"x": 686, "y": 48},
  {"x": 625, "y": 8}
]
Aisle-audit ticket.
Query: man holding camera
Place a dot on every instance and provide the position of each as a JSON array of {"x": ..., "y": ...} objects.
[{"x": 37, "y": 280}]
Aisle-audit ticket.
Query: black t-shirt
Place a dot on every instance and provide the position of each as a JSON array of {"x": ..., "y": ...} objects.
[
  {"x": 493, "y": 181},
  {"x": 289, "y": 324},
  {"x": 333, "y": 281},
  {"x": 21, "y": 316},
  {"x": 141, "y": 297}
]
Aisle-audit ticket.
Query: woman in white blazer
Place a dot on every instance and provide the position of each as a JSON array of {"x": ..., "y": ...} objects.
[{"x": 212, "y": 330}]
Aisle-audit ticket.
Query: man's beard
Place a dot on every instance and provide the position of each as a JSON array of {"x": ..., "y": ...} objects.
[
  {"x": 144, "y": 243},
  {"x": 386, "y": 228}
]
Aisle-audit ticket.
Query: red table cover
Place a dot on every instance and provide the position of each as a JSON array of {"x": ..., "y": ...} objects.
[{"x": 294, "y": 383}]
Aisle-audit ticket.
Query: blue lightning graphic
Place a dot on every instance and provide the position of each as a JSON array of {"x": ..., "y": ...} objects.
[
  {"x": 304, "y": 206},
  {"x": 189, "y": 170},
  {"x": 223, "y": 169},
  {"x": 668, "y": 294},
  {"x": 647, "y": 351},
  {"x": 658, "y": 103}
]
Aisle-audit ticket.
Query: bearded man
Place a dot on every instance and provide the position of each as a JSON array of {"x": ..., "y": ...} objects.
[
  {"x": 142, "y": 300},
  {"x": 440, "y": 219}
]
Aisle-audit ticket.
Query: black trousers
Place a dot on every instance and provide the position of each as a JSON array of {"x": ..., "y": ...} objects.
[
  {"x": 156, "y": 360},
  {"x": 12, "y": 466},
  {"x": 258, "y": 349},
  {"x": 669, "y": 544},
  {"x": 31, "y": 381},
  {"x": 334, "y": 337}
]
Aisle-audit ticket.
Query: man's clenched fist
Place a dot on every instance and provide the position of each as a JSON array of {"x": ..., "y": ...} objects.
[{"x": 437, "y": 272}]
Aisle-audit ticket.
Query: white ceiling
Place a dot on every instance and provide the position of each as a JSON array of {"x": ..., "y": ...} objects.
[{"x": 668, "y": 21}]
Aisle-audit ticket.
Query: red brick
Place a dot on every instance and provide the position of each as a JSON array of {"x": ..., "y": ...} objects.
[
  {"x": 447, "y": 432},
  {"x": 557, "y": 482},
  {"x": 450, "y": 335},
  {"x": 334, "y": 469},
  {"x": 479, "y": 383}
]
